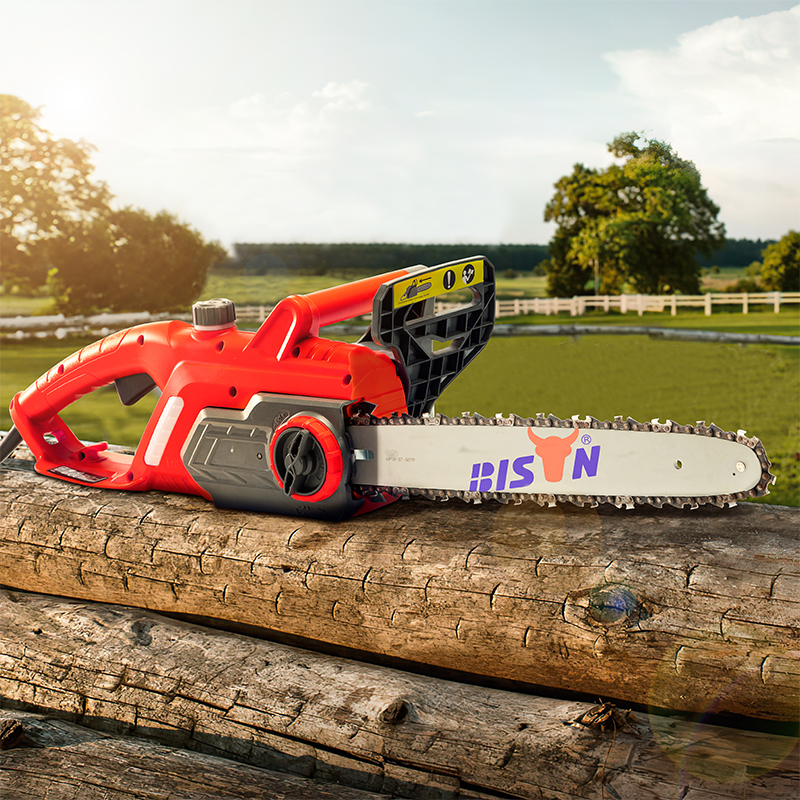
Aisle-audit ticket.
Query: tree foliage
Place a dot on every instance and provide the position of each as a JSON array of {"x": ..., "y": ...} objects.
[
  {"x": 45, "y": 186},
  {"x": 736, "y": 253},
  {"x": 57, "y": 225},
  {"x": 129, "y": 260},
  {"x": 638, "y": 224},
  {"x": 780, "y": 267}
]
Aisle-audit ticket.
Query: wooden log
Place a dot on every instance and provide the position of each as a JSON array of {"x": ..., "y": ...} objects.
[
  {"x": 50, "y": 758},
  {"x": 688, "y": 610},
  {"x": 362, "y": 725}
]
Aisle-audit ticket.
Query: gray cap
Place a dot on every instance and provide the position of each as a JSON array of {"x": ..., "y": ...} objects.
[{"x": 213, "y": 314}]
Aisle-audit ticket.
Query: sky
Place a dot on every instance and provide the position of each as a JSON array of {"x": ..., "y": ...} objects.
[{"x": 423, "y": 121}]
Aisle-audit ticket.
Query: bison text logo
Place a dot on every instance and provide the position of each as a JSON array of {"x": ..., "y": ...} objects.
[{"x": 552, "y": 451}]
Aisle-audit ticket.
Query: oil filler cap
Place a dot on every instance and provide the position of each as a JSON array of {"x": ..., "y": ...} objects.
[{"x": 213, "y": 315}]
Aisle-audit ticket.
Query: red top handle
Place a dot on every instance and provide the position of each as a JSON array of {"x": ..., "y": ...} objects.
[{"x": 300, "y": 316}]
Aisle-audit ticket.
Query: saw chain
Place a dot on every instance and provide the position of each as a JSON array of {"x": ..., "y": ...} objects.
[{"x": 540, "y": 421}]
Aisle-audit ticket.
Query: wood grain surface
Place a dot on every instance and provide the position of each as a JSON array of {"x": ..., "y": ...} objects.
[
  {"x": 136, "y": 674},
  {"x": 689, "y": 610}
]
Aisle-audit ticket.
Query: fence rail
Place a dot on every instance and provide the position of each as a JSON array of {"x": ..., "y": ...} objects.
[
  {"x": 641, "y": 303},
  {"x": 60, "y": 326}
]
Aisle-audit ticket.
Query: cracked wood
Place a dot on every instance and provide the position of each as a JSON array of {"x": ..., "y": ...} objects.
[
  {"x": 276, "y": 707},
  {"x": 56, "y": 759}
]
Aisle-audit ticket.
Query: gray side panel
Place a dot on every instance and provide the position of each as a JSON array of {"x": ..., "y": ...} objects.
[{"x": 227, "y": 453}]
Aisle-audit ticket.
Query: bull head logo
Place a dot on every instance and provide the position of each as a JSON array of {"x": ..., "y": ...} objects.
[{"x": 553, "y": 450}]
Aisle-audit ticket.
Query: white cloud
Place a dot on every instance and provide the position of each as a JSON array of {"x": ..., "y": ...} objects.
[
  {"x": 740, "y": 76},
  {"x": 249, "y": 107},
  {"x": 726, "y": 97},
  {"x": 344, "y": 96}
]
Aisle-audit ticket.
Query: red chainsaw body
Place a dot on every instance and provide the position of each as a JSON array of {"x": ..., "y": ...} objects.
[
  {"x": 202, "y": 368},
  {"x": 258, "y": 420}
]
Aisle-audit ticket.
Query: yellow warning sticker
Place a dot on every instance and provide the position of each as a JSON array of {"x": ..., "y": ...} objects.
[{"x": 440, "y": 281}]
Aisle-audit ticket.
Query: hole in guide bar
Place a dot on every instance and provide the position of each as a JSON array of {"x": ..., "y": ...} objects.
[{"x": 678, "y": 464}]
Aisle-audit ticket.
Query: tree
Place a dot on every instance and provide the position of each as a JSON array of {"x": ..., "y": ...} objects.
[
  {"x": 780, "y": 267},
  {"x": 129, "y": 260},
  {"x": 45, "y": 188},
  {"x": 638, "y": 223}
]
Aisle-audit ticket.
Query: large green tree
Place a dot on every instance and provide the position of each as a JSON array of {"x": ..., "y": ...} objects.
[
  {"x": 46, "y": 188},
  {"x": 780, "y": 267},
  {"x": 639, "y": 224},
  {"x": 130, "y": 260}
]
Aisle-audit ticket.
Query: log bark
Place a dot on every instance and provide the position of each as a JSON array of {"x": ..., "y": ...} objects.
[
  {"x": 689, "y": 610},
  {"x": 372, "y": 728},
  {"x": 56, "y": 759}
]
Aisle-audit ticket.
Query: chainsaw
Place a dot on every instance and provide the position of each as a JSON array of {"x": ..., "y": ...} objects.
[{"x": 283, "y": 420}]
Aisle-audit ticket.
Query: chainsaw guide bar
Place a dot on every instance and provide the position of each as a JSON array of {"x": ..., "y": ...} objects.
[{"x": 746, "y": 455}]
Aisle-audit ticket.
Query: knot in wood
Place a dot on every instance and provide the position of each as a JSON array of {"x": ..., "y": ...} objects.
[
  {"x": 141, "y": 630},
  {"x": 614, "y": 604},
  {"x": 396, "y": 712}
]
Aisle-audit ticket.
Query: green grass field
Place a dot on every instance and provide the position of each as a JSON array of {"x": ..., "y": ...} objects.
[
  {"x": 761, "y": 319},
  {"x": 755, "y": 388}
]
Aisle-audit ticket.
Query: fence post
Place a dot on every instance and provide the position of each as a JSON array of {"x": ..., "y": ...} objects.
[
  {"x": 640, "y": 304},
  {"x": 745, "y": 305},
  {"x": 573, "y": 307},
  {"x": 623, "y": 304},
  {"x": 708, "y": 304},
  {"x": 673, "y": 303},
  {"x": 777, "y": 303},
  {"x": 262, "y": 313},
  {"x": 606, "y": 303}
]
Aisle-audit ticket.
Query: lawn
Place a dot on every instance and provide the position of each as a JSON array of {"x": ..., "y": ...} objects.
[
  {"x": 268, "y": 289},
  {"x": 755, "y": 388},
  {"x": 761, "y": 319}
]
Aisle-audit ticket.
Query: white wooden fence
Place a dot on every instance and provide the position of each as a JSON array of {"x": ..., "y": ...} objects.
[
  {"x": 623, "y": 303},
  {"x": 641, "y": 303}
]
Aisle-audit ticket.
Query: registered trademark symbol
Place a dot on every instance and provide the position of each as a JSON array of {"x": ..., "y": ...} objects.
[{"x": 586, "y": 439}]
